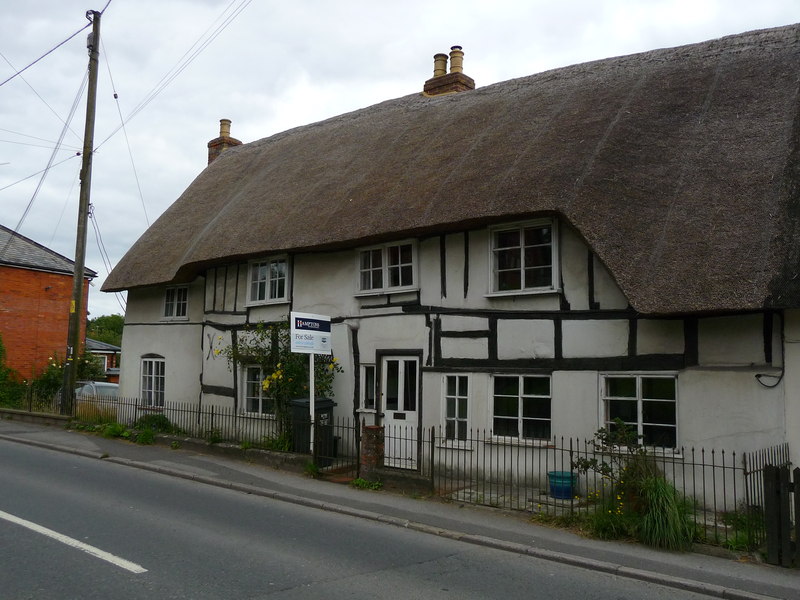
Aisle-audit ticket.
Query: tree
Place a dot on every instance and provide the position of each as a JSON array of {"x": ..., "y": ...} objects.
[{"x": 106, "y": 328}]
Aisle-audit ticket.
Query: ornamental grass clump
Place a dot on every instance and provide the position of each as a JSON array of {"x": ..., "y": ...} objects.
[{"x": 665, "y": 518}]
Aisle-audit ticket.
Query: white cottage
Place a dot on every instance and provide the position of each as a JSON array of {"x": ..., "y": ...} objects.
[{"x": 535, "y": 257}]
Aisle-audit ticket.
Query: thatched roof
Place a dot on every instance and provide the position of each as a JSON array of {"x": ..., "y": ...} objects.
[{"x": 678, "y": 166}]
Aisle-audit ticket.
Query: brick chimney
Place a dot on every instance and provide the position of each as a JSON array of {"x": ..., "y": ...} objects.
[
  {"x": 443, "y": 82},
  {"x": 218, "y": 145}
]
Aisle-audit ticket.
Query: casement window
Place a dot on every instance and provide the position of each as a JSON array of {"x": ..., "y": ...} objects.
[
  {"x": 647, "y": 403},
  {"x": 521, "y": 407},
  {"x": 368, "y": 387},
  {"x": 153, "y": 370},
  {"x": 456, "y": 407},
  {"x": 255, "y": 399},
  {"x": 387, "y": 268},
  {"x": 269, "y": 281},
  {"x": 176, "y": 302},
  {"x": 524, "y": 258}
]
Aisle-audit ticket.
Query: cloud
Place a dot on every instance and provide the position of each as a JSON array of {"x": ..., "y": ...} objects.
[{"x": 276, "y": 66}]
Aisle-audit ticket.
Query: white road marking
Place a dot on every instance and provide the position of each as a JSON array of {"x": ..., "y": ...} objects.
[{"x": 101, "y": 554}]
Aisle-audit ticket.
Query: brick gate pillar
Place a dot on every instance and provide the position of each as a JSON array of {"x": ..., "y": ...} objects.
[{"x": 371, "y": 451}]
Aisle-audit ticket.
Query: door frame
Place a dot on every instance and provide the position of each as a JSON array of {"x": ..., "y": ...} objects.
[{"x": 380, "y": 400}]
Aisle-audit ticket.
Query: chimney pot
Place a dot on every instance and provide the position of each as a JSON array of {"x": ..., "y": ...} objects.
[
  {"x": 439, "y": 64},
  {"x": 456, "y": 60},
  {"x": 224, "y": 128}
]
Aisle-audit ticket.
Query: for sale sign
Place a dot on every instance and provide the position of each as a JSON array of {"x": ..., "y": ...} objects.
[{"x": 310, "y": 333}]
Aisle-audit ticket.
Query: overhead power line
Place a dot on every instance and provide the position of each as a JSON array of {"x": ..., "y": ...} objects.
[
  {"x": 194, "y": 51},
  {"x": 45, "y": 54}
]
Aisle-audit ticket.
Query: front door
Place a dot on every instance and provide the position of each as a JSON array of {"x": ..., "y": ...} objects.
[{"x": 399, "y": 395}]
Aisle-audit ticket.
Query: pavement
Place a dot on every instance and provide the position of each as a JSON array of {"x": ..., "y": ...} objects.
[{"x": 724, "y": 575}]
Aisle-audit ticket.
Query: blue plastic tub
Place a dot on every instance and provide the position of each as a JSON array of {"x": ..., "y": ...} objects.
[{"x": 562, "y": 484}]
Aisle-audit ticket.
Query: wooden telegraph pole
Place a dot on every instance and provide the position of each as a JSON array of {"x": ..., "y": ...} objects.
[{"x": 76, "y": 309}]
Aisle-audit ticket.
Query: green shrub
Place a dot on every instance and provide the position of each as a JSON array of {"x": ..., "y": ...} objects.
[
  {"x": 114, "y": 430},
  {"x": 214, "y": 436},
  {"x": 156, "y": 422},
  {"x": 611, "y": 519},
  {"x": 279, "y": 443},
  {"x": 145, "y": 437}
]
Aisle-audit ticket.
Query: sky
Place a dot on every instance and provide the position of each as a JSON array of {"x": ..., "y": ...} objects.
[{"x": 171, "y": 69}]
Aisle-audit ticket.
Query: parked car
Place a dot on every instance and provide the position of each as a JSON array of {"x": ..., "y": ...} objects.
[{"x": 95, "y": 389}]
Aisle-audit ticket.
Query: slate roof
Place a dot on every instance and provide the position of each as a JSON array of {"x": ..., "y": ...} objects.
[
  {"x": 98, "y": 346},
  {"x": 678, "y": 166},
  {"x": 19, "y": 251}
]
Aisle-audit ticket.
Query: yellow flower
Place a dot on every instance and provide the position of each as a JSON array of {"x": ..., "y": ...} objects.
[{"x": 217, "y": 352}]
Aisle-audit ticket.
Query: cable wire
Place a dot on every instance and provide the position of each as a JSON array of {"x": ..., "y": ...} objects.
[
  {"x": 194, "y": 51},
  {"x": 49, "y": 162},
  {"x": 125, "y": 133},
  {"x": 46, "y": 53},
  {"x": 52, "y": 110}
]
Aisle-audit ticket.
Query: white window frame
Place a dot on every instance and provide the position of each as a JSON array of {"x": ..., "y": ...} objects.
[
  {"x": 554, "y": 284},
  {"x": 385, "y": 269},
  {"x": 152, "y": 370},
  {"x": 455, "y": 441},
  {"x": 176, "y": 308},
  {"x": 520, "y": 418},
  {"x": 270, "y": 297},
  {"x": 364, "y": 388},
  {"x": 245, "y": 396},
  {"x": 640, "y": 400}
]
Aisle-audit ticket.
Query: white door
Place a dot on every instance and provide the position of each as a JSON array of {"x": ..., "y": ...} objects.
[{"x": 399, "y": 396}]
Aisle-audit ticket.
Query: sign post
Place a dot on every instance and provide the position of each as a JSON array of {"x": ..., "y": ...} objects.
[{"x": 310, "y": 334}]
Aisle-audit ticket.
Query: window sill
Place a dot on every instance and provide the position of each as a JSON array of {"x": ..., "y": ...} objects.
[
  {"x": 512, "y": 441},
  {"x": 174, "y": 319},
  {"x": 532, "y": 292},
  {"x": 252, "y": 415},
  {"x": 385, "y": 292},
  {"x": 251, "y": 303},
  {"x": 661, "y": 453}
]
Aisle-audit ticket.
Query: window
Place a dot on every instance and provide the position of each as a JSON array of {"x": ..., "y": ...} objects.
[
  {"x": 255, "y": 398},
  {"x": 368, "y": 387},
  {"x": 524, "y": 258},
  {"x": 268, "y": 280},
  {"x": 521, "y": 406},
  {"x": 456, "y": 398},
  {"x": 647, "y": 403},
  {"x": 387, "y": 268},
  {"x": 152, "y": 389},
  {"x": 176, "y": 301}
]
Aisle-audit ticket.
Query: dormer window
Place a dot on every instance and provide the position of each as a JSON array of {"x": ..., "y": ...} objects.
[
  {"x": 387, "y": 268},
  {"x": 524, "y": 258},
  {"x": 269, "y": 281},
  {"x": 176, "y": 302}
]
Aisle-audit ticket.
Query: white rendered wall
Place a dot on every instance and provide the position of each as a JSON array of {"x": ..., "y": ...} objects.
[{"x": 791, "y": 382}]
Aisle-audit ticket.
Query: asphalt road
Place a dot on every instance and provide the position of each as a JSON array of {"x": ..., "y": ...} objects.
[{"x": 172, "y": 538}]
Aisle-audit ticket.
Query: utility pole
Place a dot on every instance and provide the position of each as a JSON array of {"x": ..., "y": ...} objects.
[{"x": 76, "y": 309}]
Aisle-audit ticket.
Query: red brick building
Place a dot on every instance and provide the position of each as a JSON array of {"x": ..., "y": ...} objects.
[{"x": 35, "y": 294}]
